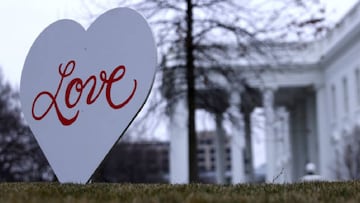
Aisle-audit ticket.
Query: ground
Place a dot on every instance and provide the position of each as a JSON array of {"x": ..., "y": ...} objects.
[{"x": 194, "y": 193}]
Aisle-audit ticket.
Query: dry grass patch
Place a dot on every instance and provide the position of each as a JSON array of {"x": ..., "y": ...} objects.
[{"x": 193, "y": 193}]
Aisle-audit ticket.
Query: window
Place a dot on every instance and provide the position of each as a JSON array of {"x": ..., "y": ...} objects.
[
  {"x": 227, "y": 150},
  {"x": 346, "y": 95},
  {"x": 357, "y": 75},
  {"x": 200, "y": 151},
  {"x": 333, "y": 100}
]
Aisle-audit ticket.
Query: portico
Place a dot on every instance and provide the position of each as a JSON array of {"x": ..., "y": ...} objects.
[
  {"x": 291, "y": 132},
  {"x": 292, "y": 99},
  {"x": 293, "y": 103}
]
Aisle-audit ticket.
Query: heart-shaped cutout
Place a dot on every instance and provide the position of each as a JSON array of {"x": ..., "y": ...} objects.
[{"x": 80, "y": 90}]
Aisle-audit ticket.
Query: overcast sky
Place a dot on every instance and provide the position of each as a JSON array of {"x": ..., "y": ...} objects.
[{"x": 22, "y": 20}]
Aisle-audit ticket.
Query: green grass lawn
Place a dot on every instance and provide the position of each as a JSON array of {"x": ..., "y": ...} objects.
[{"x": 196, "y": 193}]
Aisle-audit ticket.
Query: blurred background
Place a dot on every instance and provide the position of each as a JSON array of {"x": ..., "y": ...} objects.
[{"x": 245, "y": 91}]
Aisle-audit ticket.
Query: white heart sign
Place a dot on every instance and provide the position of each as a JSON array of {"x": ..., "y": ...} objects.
[{"x": 80, "y": 89}]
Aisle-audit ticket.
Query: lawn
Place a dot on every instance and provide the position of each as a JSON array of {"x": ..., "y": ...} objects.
[{"x": 195, "y": 193}]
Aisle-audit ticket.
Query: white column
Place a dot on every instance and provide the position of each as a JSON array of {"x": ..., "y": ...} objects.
[
  {"x": 179, "y": 158},
  {"x": 288, "y": 149},
  {"x": 325, "y": 150},
  {"x": 282, "y": 146},
  {"x": 237, "y": 141},
  {"x": 268, "y": 104},
  {"x": 220, "y": 158},
  {"x": 311, "y": 137},
  {"x": 277, "y": 145}
]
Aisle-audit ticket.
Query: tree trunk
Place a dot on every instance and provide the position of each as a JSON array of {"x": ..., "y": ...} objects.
[
  {"x": 190, "y": 80},
  {"x": 248, "y": 149}
]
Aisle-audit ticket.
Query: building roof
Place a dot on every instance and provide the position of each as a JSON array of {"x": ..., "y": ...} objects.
[
  {"x": 314, "y": 54},
  {"x": 322, "y": 51}
]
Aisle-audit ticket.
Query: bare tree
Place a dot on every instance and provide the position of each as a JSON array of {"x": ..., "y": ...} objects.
[
  {"x": 135, "y": 162},
  {"x": 20, "y": 156},
  {"x": 202, "y": 43}
]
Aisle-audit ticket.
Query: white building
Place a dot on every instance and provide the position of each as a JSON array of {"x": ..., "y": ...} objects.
[{"x": 310, "y": 105}]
